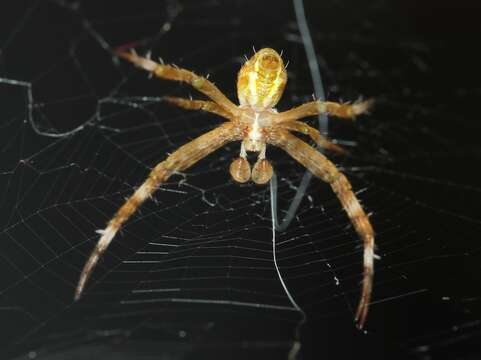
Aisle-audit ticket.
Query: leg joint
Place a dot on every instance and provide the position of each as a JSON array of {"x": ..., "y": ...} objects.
[{"x": 198, "y": 81}]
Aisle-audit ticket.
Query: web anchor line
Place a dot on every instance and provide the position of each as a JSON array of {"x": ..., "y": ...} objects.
[
  {"x": 296, "y": 346},
  {"x": 307, "y": 177}
]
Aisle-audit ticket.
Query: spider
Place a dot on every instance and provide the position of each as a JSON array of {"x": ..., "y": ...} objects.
[{"x": 255, "y": 123}]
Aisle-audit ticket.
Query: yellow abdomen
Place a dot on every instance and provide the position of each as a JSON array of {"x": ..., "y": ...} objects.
[{"x": 261, "y": 80}]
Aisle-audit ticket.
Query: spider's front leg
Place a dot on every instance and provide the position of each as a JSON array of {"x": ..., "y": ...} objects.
[
  {"x": 346, "y": 110},
  {"x": 324, "y": 169},
  {"x": 169, "y": 72},
  {"x": 184, "y": 157}
]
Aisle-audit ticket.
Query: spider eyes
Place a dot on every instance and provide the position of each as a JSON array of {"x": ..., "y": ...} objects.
[
  {"x": 240, "y": 171},
  {"x": 269, "y": 62}
]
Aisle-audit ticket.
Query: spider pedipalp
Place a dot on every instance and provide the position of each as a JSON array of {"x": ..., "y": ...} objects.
[
  {"x": 262, "y": 172},
  {"x": 240, "y": 170}
]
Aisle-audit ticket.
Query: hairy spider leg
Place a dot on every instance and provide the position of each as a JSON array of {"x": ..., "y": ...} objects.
[
  {"x": 189, "y": 104},
  {"x": 170, "y": 72},
  {"x": 346, "y": 110},
  {"x": 324, "y": 169},
  {"x": 184, "y": 157},
  {"x": 315, "y": 135}
]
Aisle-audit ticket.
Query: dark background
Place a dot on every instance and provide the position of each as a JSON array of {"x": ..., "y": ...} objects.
[{"x": 418, "y": 155}]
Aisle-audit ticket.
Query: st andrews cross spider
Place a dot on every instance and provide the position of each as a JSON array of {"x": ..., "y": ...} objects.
[{"x": 256, "y": 123}]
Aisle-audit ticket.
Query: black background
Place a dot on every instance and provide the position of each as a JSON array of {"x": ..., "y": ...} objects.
[{"x": 423, "y": 139}]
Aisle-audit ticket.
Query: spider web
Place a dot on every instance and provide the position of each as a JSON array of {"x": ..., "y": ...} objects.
[{"x": 192, "y": 274}]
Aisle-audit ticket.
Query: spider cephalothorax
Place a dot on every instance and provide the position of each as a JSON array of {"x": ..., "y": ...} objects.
[{"x": 255, "y": 123}]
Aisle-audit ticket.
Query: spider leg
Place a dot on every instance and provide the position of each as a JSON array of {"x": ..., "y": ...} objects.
[
  {"x": 315, "y": 135},
  {"x": 346, "y": 110},
  {"x": 170, "y": 72},
  {"x": 184, "y": 157},
  {"x": 324, "y": 169},
  {"x": 208, "y": 106}
]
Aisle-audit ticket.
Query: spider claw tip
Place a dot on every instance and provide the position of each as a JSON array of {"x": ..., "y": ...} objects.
[{"x": 78, "y": 292}]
